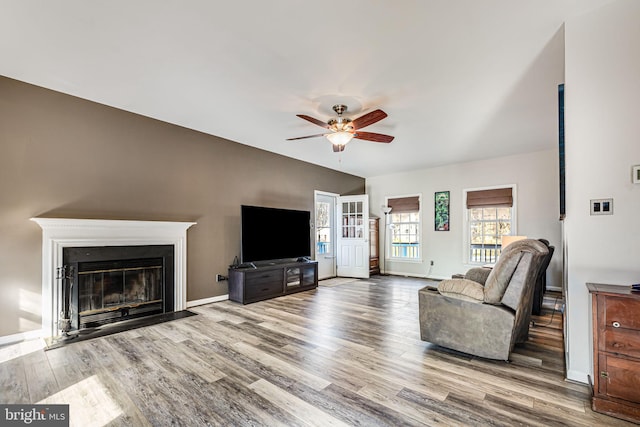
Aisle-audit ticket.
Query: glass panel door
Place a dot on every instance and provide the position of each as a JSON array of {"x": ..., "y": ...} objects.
[
  {"x": 325, "y": 234},
  {"x": 353, "y": 236}
]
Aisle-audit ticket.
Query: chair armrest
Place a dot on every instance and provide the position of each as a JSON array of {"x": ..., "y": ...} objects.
[
  {"x": 478, "y": 274},
  {"x": 464, "y": 289}
]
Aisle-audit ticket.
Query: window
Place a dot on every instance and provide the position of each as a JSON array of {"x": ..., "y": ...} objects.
[
  {"x": 404, "y": 227},
  {"x": 323, "y": 228},
  {"x": 352, "y": 220},
  {"x": 486, "y": 228},
  {"x": 489, "y": 217}
]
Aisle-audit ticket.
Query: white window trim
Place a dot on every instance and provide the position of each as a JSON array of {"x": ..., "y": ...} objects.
[
  {"x": 465, "y": 215},
  {"x": 387, "y": 248}
]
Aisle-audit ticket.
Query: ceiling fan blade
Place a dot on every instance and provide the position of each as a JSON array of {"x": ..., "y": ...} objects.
[
  {"x": 337, "y": 148},
  {"x": 305, "y": 137},
  {"x": 368, "y": 119},
  {"x": 375, "y": 137},
  {"x": 314, "y": 121}
]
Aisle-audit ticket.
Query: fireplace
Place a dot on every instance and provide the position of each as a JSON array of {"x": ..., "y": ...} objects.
[
  {"x": 90, "y": 251},
  {"x": 107, "y": 284}
]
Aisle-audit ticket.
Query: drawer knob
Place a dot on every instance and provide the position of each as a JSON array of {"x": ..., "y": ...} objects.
[{"x": 616, "y": 324}]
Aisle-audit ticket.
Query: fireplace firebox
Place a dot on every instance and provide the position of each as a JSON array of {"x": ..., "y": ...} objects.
[{"x": 107, "y": 284}]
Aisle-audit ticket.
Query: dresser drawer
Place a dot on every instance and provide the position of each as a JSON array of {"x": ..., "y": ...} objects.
[
  {"x": 619, "y": 377},
  {"x": 622, "y": 341},
  {"x": 624, "y": 312}
]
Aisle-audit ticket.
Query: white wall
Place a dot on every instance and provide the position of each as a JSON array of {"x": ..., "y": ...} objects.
[
  {"x": 602, "y": 143},
  {"x": 536, "y": 178}
]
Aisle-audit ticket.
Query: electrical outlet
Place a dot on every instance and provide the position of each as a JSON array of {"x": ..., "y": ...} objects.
[{"x": 220, "y": 278}]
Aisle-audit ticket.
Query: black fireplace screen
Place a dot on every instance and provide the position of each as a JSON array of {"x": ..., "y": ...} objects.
[
  {"x": 112, "y": 289},
  {"x": 114, "y": 283}
]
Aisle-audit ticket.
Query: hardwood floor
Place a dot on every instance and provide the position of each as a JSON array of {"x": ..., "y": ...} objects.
[{"x": 346, "y": 354}]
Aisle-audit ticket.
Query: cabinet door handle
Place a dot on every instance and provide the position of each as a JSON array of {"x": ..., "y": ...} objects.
[{"x": 616, "y": 324}]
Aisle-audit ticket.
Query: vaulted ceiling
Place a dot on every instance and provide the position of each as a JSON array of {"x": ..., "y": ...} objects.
[{"x": 460, "y": 79}]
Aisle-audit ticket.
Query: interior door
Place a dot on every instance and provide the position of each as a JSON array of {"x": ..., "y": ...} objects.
[
  {"x": 353, "y": 236},
  {"x": 325, "y": 234}
]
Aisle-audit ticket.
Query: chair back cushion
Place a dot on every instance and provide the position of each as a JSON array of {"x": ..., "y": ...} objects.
[{"x": 500, "y": 276}]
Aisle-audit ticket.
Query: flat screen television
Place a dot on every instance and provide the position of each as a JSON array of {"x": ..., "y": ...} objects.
[{"x": 270, "y": 234}]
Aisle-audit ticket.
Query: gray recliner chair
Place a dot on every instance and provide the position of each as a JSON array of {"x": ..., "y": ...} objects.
[
  {"x": 487, "y": 312},
  {"x": 541, "y": 281}
]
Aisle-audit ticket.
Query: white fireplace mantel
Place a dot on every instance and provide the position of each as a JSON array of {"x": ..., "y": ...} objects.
[{"x": 59, "y": 233}]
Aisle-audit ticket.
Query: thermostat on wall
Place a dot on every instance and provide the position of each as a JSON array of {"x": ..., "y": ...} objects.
[{"x": 601, "y": 206}]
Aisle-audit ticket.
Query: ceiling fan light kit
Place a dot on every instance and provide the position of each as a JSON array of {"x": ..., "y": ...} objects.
[
  {"x": 343, "y": 129},
  {"x": 340, "y": 138}
]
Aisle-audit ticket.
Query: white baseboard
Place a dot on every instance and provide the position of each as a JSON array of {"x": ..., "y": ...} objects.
[
  {"x": 419, "y": 276},
  {"x": 207, "y": 300},
  {"x": 21, "y": 336},
  {"x": 403, "y": 274}
]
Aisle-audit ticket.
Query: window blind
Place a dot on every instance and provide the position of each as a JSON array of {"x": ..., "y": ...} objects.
[
  {"x": 501, "y": 197},
  {"x": 404, "y": 204}
]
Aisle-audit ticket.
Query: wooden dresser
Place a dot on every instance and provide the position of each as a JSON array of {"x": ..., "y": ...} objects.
[
  {"x": 374, "y": 250},
  {"x": 616, "y": 351}
]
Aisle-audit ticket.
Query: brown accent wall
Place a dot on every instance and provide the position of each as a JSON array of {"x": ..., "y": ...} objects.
[{"x": 66, "y": 157}]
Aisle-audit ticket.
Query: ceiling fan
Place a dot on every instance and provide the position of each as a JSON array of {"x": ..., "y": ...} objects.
[{"x": 343, "y": 129}]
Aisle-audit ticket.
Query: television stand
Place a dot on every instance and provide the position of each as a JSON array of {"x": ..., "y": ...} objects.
[{"x": 260, "y": 282}]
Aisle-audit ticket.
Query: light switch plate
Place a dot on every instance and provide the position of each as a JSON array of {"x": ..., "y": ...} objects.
[
  {"x": 601, "y": 206},
  {"x": 635, "y": 171}
]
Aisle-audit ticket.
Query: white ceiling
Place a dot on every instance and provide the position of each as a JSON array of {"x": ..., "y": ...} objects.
[{"x": 460, "y": 79}]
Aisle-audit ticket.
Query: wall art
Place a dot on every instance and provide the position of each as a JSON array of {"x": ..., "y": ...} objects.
[{"x": 441, "y": 203}]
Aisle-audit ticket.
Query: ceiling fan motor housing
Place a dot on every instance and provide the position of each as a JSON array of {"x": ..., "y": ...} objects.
[
  {"x": 340, "y": 124},
  {"x": 339, "y": 108}
]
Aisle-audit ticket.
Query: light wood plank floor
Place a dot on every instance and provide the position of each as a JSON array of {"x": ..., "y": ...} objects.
[{"x": 345, "y": 354}]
